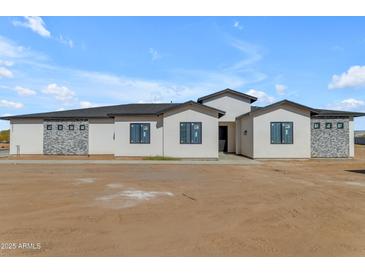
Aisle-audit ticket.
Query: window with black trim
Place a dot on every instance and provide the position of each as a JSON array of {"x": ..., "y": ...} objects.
[
  {"x": 139, "y": 133},
  {"x": 190, "y": 133},
  {"x": 281, "y": 132},
  {"x": 340, "y": 125},
  {"x": 317, "y": 125},
  {"x": 71, "y": 127},
  {"x": 49, "y": 127},
  {"x": 328, "y": 125},
  {"x": 82, "y": 127},
  {"x": 60, "y": 127}
]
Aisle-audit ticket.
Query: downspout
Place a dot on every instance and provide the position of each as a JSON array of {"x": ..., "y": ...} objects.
[{"x": 163, "y": 138}]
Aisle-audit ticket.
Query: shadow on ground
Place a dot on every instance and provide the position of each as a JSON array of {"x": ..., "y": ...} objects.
[{"x": 361, "y": 171}]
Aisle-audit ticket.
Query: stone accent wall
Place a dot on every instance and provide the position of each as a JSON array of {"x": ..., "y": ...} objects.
[
  {"x": 332, "y": 143},
  {"x": 66, "y": 142}
]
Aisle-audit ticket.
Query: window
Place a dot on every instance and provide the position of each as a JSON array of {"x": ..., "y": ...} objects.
[
  {"x": 190, "y": 133},
  {"x": 60, "y": 127},
  {"x": 340, "y": 125},
  {"x": 71, "y": 127},
  {"x": 139, "y": 133},
  {"x": 317, "y": 125},
  {"x": 328, "y": 125},
  {"x": 282, "y": 133},
  {"x": 82, "y": 127},
  {"x": 49, "y": 127}
]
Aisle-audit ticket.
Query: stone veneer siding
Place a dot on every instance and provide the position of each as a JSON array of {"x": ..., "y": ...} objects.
[
  {"x": 66, "y": 142},
  {"x": 332, "y": 143}
]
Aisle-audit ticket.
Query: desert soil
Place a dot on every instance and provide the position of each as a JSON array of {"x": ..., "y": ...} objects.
[{"x": 276, "y": 208}]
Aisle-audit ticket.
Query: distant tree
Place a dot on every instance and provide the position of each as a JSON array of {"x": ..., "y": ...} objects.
[{"x": 5, "y": 135}]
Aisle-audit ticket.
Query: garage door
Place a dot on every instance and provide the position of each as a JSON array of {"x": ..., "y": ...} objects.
[{"x": 66, "y": 137}]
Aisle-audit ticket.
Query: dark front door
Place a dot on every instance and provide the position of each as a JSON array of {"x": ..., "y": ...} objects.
[{"x": 223, "y": 138}]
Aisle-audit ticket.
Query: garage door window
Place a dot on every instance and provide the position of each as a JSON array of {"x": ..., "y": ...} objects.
[
  {"x": 139, "y": 133},
  {"x": 281, "y": 132}
]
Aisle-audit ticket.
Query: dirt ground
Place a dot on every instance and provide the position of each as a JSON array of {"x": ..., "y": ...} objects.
[{"x": 276, "y": 208}]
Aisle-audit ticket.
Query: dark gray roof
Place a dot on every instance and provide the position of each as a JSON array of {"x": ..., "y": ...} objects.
[
  {"x": 111, "y": 111},
  {"x": 314, "y": 111},
  {"x": 338, "y": 113},
  {"x": 227, "y": 90},
  {"x": 101, "y": 112}
]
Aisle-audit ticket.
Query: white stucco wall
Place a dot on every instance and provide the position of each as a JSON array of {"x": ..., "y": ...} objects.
[
  {"x": 28, "y": 134},
  {"x": 352, "y": 138},
  {"x": 233, "y": 106},
  {"x": 245, "y": 141},
  {"x": 101, "y": 133},
  {"x": 231, "y": 127},
  {"x": 209, "y": 146},
  {"x": 301, "y": 147},
  {"x": 123, "y": 147}
]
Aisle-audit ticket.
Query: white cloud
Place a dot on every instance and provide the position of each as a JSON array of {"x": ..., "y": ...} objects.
[
  {"x": 353, "y": 77},
  {"x": 280, "y": 89},
  {"x": 60, "y": 93},
  {"x": 237, "y": 25},
  {"x": 87, "y": 104},
  {"x": 10, "y": 104},
  {"x": 252, "y": 55},
  {"x": 262, "y": 97},
  {"x": 6, "y": 63},
  {"x": 348, "y": 104},
  {"x": 24, "y": 91},
  {"x": 4, "y": 72},
  {"x": 13, "y": 52},
  {"x": 65, "y": 41},
  {"x": 154, "y": 54},
  {"x": 35, "y": 23}
]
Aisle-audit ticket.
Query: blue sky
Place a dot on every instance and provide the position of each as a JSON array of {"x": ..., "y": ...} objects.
[{"x": 56, "y": 63}]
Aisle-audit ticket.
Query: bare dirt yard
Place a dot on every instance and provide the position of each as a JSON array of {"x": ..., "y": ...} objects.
[{"x": 276, "y": 208}]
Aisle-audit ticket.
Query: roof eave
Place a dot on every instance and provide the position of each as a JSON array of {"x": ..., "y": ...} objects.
[{"x": 246, "y": 96}]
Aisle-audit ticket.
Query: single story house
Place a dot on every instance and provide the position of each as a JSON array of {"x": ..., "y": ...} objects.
[{"x": 222, "y": 121}]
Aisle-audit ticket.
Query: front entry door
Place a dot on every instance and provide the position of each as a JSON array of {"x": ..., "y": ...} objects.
[{"x": 223, "y": 138}]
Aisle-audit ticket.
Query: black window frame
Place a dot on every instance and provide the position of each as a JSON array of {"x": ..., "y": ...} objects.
[
  {"x": 281, "y": 133},
  {"x": 328, "y": 123},
  {"x": 71, "y": 127},
  {"x": 342, "y": 125},
  {"x": 49, "y": 127},
  {"x": 189, "y": 142},
  {"x": 140, "y": 125},
  {"x": 82, "y": 127},
  {"x": 316, "y": 124},
  {"x": 60, "y": 127}
]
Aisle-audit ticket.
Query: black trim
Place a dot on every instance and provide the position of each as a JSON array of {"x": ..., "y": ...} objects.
[
  {"x": 342, "y": 125},
  {"x": 71, "y": 127},
  {"x": 281, "y": 132},
  {"x": 328, "y": 123},
  {"x": 59, "y": 127},
  {"x": 82, "y": 127},
  {"x": 191, "y": 132},
  {"x": 140, "y": 133},
  {"x": 315, "y": 124},
  {"x": 49, "y": 127}
]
